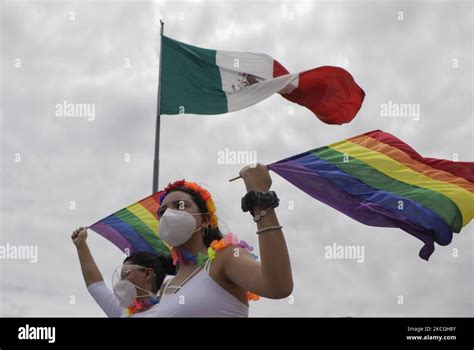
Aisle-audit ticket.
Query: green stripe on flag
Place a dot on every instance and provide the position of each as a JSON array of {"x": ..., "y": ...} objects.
[
  {"x": 143, "y": 230},
  {"x": 190, "y": 80},
  {"x": 435, "y": 201}
]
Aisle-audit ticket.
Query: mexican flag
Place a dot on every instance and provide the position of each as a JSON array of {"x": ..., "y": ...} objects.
[{"x": 204, "y": 81}]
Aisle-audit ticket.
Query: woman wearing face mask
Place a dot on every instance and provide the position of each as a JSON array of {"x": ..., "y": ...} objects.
[
  {"x": 216, "y": 273},
  {"x": 135, "y": 283}
]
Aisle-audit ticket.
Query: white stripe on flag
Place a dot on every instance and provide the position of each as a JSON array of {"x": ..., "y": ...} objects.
[
  {"x": 252, "y": 94},
  {"x": 231, "y": 62}
]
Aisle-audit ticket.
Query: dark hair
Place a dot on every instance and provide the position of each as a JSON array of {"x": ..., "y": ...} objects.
[
  {"x": 160, "y": 264},
  {"x": 210, "y": 234}
]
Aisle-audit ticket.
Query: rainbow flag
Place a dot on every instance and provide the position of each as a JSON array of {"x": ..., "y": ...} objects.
[
  {"x": 134, "y": 228},
  {"x": 381, "y": 181}
]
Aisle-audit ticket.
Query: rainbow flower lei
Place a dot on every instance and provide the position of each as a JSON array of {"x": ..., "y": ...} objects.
[
  {"x": 185, "y": 257},
  {"x": 139, "y": 305}
]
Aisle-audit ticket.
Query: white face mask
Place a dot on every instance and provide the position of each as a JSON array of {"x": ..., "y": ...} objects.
[
  {"x": 177, "y": 226},
  {"x": 124, "y": 290},
  {"x": 126, "y": 293}
]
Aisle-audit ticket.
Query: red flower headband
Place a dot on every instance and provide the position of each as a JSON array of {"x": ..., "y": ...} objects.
[{"x": 203, "y": 194}]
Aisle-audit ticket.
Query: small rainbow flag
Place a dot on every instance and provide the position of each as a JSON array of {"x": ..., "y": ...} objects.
[
  {"x": 379, "y": 180},
  {"x": 134, "y": 228}
]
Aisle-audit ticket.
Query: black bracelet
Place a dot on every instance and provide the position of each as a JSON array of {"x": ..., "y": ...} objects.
[{"x": 264, "y": 200}]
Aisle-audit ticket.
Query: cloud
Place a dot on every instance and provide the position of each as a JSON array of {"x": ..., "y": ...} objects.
[{"x": 84, "y": 61}]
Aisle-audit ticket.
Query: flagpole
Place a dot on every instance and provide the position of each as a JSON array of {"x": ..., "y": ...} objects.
[{"x": 156, "y": 162}]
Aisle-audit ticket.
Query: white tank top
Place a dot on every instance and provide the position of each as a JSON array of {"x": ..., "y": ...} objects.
[{"x": 200, "y": 296}]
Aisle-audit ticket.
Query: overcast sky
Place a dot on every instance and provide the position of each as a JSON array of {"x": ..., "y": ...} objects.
[{"x": 107, "y": 55}]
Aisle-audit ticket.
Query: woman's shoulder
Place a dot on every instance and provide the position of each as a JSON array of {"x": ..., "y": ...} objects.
[{"x": 230, "y": 247}]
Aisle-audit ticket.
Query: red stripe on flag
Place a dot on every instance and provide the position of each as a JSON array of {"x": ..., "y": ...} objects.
[
  {"x": 461, "y": 169},
  {"x": 329, "y": 92}
]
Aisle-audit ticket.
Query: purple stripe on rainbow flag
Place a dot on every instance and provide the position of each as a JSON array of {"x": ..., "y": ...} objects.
[
  {"x": 134, "y": 228},
  {"x": 137, "y": 242},
  {"x": 365, "y": 212},
  {"x": 111, "y": 234},
  {"x": 379, "y": 180},
  {"x": 417, "y": 214}
]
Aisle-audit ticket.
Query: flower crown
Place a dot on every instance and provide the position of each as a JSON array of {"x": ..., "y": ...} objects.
[{"x": 203, "y": 194}]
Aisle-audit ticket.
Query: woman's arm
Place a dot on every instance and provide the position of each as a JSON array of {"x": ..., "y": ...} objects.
[
  {"x": 92, "y": 276},
  {"x": 272, "y": 278},
  {"x": 106, "y": 299},
  {"x": 90, "y": 271}
]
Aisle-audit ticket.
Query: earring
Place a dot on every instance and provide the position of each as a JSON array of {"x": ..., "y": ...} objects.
[{"x": 206, "y": 230}]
